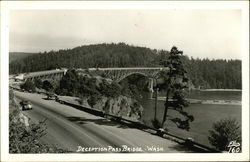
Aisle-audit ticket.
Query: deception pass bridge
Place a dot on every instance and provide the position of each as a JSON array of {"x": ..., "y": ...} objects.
[{"x": 116, "y": 74}]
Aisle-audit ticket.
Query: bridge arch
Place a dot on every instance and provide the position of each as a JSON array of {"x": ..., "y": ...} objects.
[
  {"x": 132, "y": 73},
  {"x": 151, "y": 79}
]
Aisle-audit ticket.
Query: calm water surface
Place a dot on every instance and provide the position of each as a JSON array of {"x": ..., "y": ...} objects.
[{"x": 205, "y": 114}]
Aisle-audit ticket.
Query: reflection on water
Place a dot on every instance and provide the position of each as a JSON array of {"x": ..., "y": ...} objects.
[{"x": 205, "y": 114}]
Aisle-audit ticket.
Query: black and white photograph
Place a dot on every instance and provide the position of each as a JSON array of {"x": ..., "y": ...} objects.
[{"x": 125, "y": 81}]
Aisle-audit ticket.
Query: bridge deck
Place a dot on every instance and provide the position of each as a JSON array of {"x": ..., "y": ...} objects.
[
  {"x": 57, "y": 71},
  {"x": 127, "y": 68},
  {"x": 40, "y": 73}
]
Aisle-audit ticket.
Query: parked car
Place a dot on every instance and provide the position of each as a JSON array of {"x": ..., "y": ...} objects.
[
  {"x": 51, "y": 96},
  {"x": 26, "y": 105},
  {"x": 31, "y": 91}
]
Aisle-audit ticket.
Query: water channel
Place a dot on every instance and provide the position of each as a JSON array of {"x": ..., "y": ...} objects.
[{"x": 205, "y": 114}]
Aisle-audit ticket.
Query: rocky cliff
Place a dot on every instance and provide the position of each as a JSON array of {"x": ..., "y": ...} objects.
[
  {"x": 120, "y": 106},
  {"x": 101, "y": 93}
]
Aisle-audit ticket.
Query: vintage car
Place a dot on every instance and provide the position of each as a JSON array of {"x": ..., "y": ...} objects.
[
  {"x": 51, "y": 96},
  {"x": 26, "y": 105}
]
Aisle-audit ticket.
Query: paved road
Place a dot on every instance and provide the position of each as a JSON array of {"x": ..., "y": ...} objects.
[{"x": 70, "y": 128}]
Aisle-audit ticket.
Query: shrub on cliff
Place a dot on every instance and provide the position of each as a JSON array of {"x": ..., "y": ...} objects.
[
  {"x": 47, "y": 86},
  {"x": 38, "y": 83},
  {"x": 93, "y": 99},
  {"x": 27, "y": 140},
  {"x": 110, "y": 90},
  {"x": 88, "y": 86},
  {"x": 69, "y": 84},
  {"x": 73, "y": 84},
  {"x": 28, "y": 86}
]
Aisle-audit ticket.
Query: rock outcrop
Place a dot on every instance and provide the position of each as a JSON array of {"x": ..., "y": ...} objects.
[{"x": 120, "y": 106}]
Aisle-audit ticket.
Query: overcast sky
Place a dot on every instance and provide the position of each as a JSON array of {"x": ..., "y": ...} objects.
[{"x": 198, "y": 33}]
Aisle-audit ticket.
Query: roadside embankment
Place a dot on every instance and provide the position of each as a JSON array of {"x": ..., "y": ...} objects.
[
  {"x": 121, "y": 106},
  {"x": 15, "y": 110}
]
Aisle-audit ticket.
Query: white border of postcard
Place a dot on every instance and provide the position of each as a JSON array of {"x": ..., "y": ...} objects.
[{"x": 6, "y": 6}]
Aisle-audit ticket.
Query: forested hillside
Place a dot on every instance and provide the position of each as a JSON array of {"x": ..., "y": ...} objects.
[
  {"x": 214, "y": 73},
  {"x": 15, "y": 56},
  {"x": 202, "y": 72},
  {"x": 101, "y": 55}
]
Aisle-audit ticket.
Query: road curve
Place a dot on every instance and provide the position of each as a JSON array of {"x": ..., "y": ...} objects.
[{"x": 70, "y": 128}]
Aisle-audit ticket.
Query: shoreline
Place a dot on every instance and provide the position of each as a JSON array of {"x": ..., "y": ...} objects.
[
  {"x": 197, "y": 101},
  {"x": 225, "y": 90}
]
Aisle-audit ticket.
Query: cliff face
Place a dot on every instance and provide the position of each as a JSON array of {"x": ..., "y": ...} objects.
[
  {"x": 98, "y": 92},
  {"x": 120, "y": 106}
]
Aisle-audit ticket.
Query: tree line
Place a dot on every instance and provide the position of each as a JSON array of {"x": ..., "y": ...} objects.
[{"x": 204, "y": 73}]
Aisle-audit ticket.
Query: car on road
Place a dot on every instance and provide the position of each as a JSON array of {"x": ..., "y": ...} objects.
[
  {"x": 26, "y": 105},
  {"x": 51, "y": 96}
]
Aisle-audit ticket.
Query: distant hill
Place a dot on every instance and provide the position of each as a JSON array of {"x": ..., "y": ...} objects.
[
  {"x": 99, "y": 55},
  {"x": 202, "y": 72},
  {"x": 16, "y": 56}
]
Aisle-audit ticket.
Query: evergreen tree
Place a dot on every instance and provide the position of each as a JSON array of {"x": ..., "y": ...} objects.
[
  {"x": 38, "y": 83},
  {"x": 28, "y": 86},
  {"x": 175, "y": 83},
  {"x": 47, "y": 86}
]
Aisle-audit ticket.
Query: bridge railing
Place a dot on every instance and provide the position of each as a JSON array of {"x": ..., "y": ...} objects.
[
  {"x": 42, "y": 73},
  {"x": 127, "y": 68}
]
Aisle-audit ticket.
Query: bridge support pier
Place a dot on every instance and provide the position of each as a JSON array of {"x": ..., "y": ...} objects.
[{"x": 151, "y": 85}]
